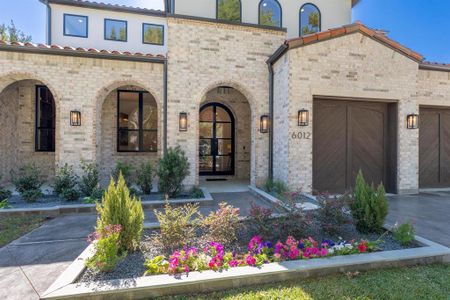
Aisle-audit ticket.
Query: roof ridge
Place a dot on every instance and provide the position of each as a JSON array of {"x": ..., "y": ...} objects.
[{"x": 351, "y": 28}]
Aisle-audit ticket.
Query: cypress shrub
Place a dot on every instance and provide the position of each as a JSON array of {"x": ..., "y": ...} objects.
[{"x": 173, "y": 169}]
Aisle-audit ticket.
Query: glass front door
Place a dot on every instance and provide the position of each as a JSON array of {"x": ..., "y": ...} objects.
[{"x": 216, "y": 140}]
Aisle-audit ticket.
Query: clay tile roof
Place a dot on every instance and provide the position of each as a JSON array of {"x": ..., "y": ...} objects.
[
  {"x": 428, "y": 65},
  {"x": 106, "y": 6},
  {"x": 347, "y": 29},
  {"x": 66, "y": 50}
]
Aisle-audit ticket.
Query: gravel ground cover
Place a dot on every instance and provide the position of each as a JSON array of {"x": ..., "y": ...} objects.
[{"x": 132, "y": 266}]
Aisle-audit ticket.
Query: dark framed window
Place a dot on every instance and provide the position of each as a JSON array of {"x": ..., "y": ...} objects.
[
  {"x": 137, "y": 122},
  {"x": 75, "y": 25},
  {"x": 44, "y": 120},
  {"x": 153, "y": 34},
  {"x": 310, "y": 19},
  {"x": 270, "y": 13},
  {"x": 116, "y": 30},
  {"x": 229, "y": 10}
]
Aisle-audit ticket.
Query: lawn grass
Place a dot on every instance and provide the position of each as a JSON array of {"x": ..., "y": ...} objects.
[
  {"x": 12, "y": 228},
  {"x": 421, "y": 282}
]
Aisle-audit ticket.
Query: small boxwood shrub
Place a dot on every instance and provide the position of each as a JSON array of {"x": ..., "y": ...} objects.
[
  {"x": 369, "y": 206},
  {"x": 66, "y": 183},
  {"x": 173, "y": 169},
  {"x": 4, "y": 193},
  {"x": 90, "y": 182},
  {"x": 222, "y": 225},
  {"x": 275, "y": 187},
  {"x": 126, "y": 170},
  {"x": 119, "y": 208},
  {"x": 144, "y": 178},
  {"x": 404, "y": 233},
  {"x": 29, "y": 182}
]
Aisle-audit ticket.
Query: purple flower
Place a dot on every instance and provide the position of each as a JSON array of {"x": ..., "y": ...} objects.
[
  {"x": 330, "y": 243},
  {"x": 301, "y": 245}
]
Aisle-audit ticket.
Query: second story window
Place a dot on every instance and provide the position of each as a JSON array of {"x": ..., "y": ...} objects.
[
  {"x": 75, "y": 25},
  {"x": 309, "y": 19},
  {"x": 153, "y": 34},
  {"x": 115, "y": 30},
  {"x": 270, "y": 13},
  {"x": 229, "y": 10}
]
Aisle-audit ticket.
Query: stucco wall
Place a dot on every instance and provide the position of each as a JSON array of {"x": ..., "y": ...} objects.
[
  {"x": 96, "y": 30},
  {"x": 204, "y": 55},
  {"x": 334, "y": 13},
  {"x": 352, "y": 66}
]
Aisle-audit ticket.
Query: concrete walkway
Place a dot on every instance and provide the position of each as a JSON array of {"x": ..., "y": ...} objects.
[
  {"x": 429, "y": 211},
  {"x": 29, "y": 265}
]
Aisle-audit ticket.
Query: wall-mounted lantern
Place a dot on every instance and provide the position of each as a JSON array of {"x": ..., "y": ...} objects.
[
  {"x": 412, "y": 121},
  {"x": 75, "y": 118},
  {"x": 303, "y": 117},
  {"x": 264, "y": 124},
  {"x": 183, "y": 121}
]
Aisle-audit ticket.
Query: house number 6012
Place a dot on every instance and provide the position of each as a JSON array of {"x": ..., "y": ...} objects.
[{"x": 301, "y": 135}]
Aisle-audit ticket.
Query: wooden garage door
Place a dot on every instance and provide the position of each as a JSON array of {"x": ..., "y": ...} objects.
[
  {"x": 349, "y": 136},
  {"x": 434, "y": 148}
]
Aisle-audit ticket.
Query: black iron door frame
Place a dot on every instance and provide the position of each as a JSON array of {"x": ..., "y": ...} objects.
[{"x": 214, "y": 140}]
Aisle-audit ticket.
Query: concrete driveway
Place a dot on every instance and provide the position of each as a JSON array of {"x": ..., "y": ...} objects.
[{"x": 430, "y": 212}]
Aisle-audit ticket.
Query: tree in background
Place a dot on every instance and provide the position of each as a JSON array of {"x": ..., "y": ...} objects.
[
  {"x": 12, "y": 34},
  {"x": 266, "y": 18},
  {"x": 313, "y": 24},
  {"x": 229, "y": 10}
]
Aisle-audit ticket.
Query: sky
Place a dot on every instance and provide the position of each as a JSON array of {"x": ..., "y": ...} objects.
[{"x": 422, "y": 25}]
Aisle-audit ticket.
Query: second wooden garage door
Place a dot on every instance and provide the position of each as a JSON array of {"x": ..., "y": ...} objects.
[
  {"x": 434, "y": 148},
  {"x": 349, "y": 136}
]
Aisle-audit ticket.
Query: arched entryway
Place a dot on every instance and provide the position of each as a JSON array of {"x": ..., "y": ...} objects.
[{"x": 216, "y": 142}]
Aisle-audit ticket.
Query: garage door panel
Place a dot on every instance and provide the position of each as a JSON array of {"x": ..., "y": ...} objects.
[
  {"x": 445, "y": 148},
  {"x": 330, "y": 174}
]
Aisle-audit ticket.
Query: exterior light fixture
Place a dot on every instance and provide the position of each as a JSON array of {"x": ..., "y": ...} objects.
[
  {"x": 75, "y": 118},
  {"x": 264, "y": 124},
  {"x": 303, "y": 117},
  {"x": 183, "y": 121},
  {"x": 412, "y": 121}
]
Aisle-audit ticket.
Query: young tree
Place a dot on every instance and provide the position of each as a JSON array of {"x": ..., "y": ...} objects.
[
  {"x": 12, "y": 34},
  {"x": 229, "y": 10}
]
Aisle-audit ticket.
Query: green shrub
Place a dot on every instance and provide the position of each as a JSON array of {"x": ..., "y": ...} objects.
[
  {"x": 276, "y": 187},
  {"x": 196, "y": 193},
  {"x": 126, "y": 170},
  {"x": 333, "y": 214},
  {"x": 119, "y": 208},
  {"x": 369, "y": 206},
  {"x": 107, "y": 249},
  {"x": 178, "y": 225},
  {"x": 222, "y": 225},
  {"x": 173, "y": 169},
  {"x": 29, "y": 182},
  {"x": 66, "y": 183},
  {"x": 404, "y": 233},
  {"x": 4, "y": 204},
  {"x": 90, "y": 182},
  {"x": 144, "y": 178},
  {"x": 4, "y": 193}
]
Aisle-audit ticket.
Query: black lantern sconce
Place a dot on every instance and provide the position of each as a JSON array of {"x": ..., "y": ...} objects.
[
  {"x": 264, "y": 124},
  {"x": 183, "y": 121},
  {"x": 303, "y": 117},
  {"x": 412, "y": 121},
  {"x": 75, "y": 118}
]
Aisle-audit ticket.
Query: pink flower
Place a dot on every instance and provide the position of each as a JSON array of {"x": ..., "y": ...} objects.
[
  {"x": 255, "y": 241},
  {"x": 323, "y": 252},
  {"x": 234, "y": 263},
  {"x": 293, "y": 253},
  {"x": 250, "y": 260}
]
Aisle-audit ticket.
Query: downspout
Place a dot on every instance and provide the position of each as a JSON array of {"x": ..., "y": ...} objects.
[
  {"x": 165, "y": 108},
  {"x": 49, "y": 21},
  {"x": 270, "y": 62}
]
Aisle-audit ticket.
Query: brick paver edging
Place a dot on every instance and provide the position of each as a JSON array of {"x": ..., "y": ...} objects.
[{"x": 198, "y": 282}]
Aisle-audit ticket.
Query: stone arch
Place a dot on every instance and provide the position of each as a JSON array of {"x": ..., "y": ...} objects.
[
  {"x": 108, "y": 149},
  {"x": 24, "y": 125}
]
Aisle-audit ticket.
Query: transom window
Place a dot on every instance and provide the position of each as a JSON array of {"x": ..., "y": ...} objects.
[
  {"x": 45, "y": 120},
  {"x": 115, "y": 30},
  {"x": 310, "y": 19},
  {"x": 137, "y": 122},
  {"x": 270, "y": 13},
  {"x": 153, "y": 34},
  {"x": 75, "y": 25},
  {"x": 229, "y": 10}
]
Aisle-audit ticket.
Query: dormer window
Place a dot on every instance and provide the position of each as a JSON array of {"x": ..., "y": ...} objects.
[
  {"x": 229, "y": 10},
  {"x": 75, "y": 25},
  {"x": 270, "y": 13},
  {"x": 310, "y": 19},
  {"x": 116, "y": 30}
]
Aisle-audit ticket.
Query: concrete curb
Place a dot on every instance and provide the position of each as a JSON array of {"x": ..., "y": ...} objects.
[
  {"x": 90, "y": 208},
  {"x": 199, "y": 282}
]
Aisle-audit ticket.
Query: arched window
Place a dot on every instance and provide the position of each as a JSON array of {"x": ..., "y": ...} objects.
[
  {"x": 310, "y": 19},
  {"x": 270, "y": 13},
  {"x": 229, "y": 10}
]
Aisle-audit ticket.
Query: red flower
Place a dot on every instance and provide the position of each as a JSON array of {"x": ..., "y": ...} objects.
[{"x": 362, "y": 247}]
